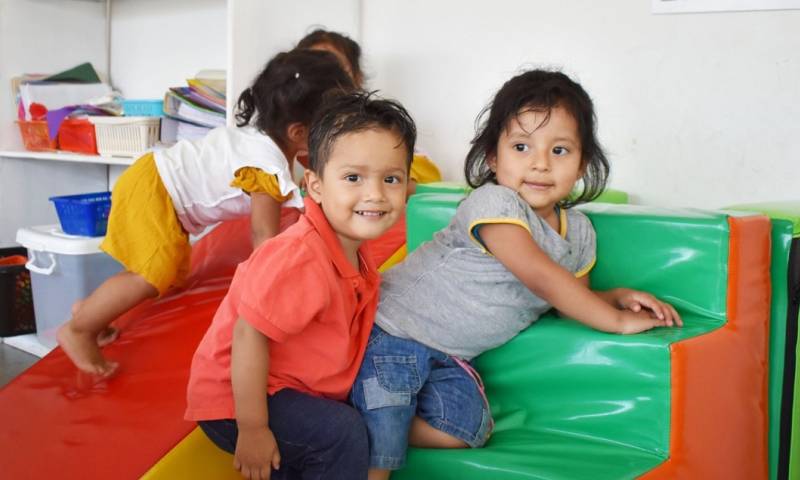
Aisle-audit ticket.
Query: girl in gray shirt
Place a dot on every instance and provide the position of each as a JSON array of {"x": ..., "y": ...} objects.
[{"x": 513, "y": 250}]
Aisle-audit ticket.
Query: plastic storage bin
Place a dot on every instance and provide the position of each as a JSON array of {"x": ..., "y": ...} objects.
[
  {"x": 125, "y": 136},
  {"x": 63, "y": 269},
  {"x": 77, "y": 135},
  {"x": 143, "y": 108},
  {"x": 85, "y": 214},
  {"x": 35, "y": 136},
  {"x": 16, "y": 300}
]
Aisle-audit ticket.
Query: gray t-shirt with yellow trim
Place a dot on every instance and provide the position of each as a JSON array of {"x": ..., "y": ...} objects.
[{"x": 453, "y": 296}]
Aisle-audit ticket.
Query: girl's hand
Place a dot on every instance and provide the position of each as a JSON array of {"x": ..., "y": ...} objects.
[
  {"x": 256, "y": 453},
  {"x": 637, "y": 301},
  {"x": 630, "y": 322}
]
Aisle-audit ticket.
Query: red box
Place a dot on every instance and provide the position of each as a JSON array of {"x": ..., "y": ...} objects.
[
  {"x": 35, "y": 136},
  {"x": 77, "y": 135}
]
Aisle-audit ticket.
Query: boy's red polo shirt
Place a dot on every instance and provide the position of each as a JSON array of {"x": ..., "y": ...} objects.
[{"x": 317, "y": 310}]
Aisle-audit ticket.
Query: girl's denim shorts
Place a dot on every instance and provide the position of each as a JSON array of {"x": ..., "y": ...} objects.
[{"x": 400, "y": 378}]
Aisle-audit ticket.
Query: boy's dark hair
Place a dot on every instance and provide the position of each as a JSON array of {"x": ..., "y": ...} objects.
[
  {"x": 357, "y": 112},
  {"x": 539, "y": 90},
  {"x": 289, "y": 89},
  {"x": 344, "y": 44}
]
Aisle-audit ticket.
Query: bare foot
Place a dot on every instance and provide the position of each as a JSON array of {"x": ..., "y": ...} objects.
[
  {"x": 108, "y": 335},
  {"x": 83, "y": 351}
]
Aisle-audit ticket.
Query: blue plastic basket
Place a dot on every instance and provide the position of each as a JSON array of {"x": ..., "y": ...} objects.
[
  {"x": 143, "y": 108},
  {"x": 85, "y": 214}
]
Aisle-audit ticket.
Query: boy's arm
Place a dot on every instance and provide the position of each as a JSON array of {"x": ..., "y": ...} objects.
[
  {"x": 256, "y": 448},
  {"x": 265, "y": 217},
  {"x": 513, "y": 246}
]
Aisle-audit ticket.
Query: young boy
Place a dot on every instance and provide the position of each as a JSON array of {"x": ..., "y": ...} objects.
[{"x": 269, "y": 379}]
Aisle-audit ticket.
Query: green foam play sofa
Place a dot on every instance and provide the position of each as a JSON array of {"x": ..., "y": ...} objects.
[
  {"x": 784, "y": 377},
  {"x": 573, "y": 403}
]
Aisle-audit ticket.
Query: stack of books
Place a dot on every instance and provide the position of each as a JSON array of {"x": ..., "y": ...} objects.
[{"x": 193, "y": 110}]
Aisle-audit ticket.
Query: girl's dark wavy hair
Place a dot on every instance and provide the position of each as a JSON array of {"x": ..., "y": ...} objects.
[
  {"x": 539, "y": 90},
  {"x": 346, "y": 45},
  {"x": 357, "y": 112},
  {"x": 290, "y": 88}
]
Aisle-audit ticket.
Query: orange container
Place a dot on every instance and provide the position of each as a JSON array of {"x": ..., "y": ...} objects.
[
  {"x": 77, "y": 135},
  {"x": 35, "y": 136}
]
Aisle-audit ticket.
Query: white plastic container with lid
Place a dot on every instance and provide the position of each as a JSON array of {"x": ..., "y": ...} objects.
[{"x": 64, "y": 268}]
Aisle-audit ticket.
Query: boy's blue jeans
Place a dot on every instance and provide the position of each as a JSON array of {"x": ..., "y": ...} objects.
[{"x": 317, "y": 438}]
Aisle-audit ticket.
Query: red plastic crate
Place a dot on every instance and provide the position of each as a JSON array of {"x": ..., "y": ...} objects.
[
  {"x": 77, "y": 135},
  {"x": 35, "y": 136}
]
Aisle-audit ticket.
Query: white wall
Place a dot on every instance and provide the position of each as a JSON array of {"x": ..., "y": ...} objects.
[
  {"x": 258, "y": 29},
  {"x": 694, "y": 110},
  {"x": 157, "y": 44}
]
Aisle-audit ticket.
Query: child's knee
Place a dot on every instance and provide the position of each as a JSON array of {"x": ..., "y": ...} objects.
[{"x": 352, "y": 429}]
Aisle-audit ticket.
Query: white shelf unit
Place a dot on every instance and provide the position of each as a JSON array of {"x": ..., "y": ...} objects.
[
  {"x": 153, "y": 45},
  {"x": 67, "y": 157}
]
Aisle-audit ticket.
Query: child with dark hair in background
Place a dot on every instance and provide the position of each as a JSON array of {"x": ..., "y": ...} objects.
[
  {"x": 168, "y": 194},
  {"x": 423, "y": 170},
  {"x": 346, "y": 50},
  {"x": 270, "y": 378}
]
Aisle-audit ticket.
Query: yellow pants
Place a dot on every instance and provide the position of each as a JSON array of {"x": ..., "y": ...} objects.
[{"x": 144, "y": 233}]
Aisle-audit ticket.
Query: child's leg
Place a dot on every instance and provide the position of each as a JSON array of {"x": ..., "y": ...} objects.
[
  {"x": 145, "y": 236},
  {"x": 224, "y": 433},
  {"x": 112, "y": 298},
  {"x": 321, "y": 438},
  {"x": 423, "y": 435},
  {"x": 385, "y": 393},
  {"x": 317, "y": 437},
  {"x": 108, "y": 335},
  {"x": 451, "y": 409},
  {"x": 378, "y": 474},
  {"x": 328, "y": 439}
]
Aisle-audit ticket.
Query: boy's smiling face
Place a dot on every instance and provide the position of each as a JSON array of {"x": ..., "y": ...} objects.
[{"x": 363, "y": 187}]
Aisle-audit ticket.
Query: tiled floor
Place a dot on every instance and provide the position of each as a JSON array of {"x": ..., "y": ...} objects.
[{"x": 13, "y": 362}]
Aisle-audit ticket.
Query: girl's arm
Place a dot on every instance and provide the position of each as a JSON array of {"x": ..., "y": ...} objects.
[
  {"x": 265, "y": 217},
  {"x": 513, "y": 246},
  {"x": 635, "y": 301},
  {"x": 256, "y": 448}
]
